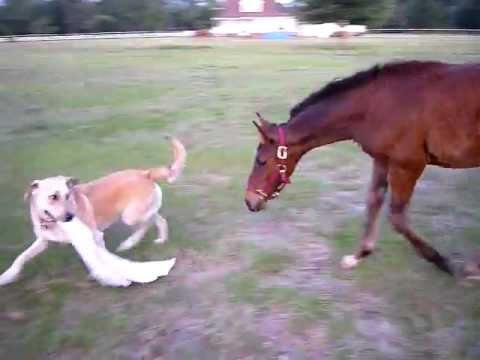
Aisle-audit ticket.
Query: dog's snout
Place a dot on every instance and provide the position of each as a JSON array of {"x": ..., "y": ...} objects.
[{"x": 69, "y": 217}]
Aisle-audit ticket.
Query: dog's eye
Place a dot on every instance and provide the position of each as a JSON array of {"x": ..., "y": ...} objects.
[{"x": 53, "y": 197}]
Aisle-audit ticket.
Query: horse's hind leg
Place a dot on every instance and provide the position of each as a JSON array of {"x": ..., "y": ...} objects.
[
  {"x": 402, "y": 183},
  {"x": 375, "y": 199}
]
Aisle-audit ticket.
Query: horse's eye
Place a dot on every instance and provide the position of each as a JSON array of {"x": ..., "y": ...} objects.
[
  {"x": 260, "y": 162},
  {"x": 53, "y": 197}
]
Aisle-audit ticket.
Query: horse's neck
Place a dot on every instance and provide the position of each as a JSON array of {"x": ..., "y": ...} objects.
[{"x": 322, "y": 125}]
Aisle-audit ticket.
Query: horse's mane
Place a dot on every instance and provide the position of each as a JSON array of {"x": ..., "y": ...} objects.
[{"x": 359, "y": 79}]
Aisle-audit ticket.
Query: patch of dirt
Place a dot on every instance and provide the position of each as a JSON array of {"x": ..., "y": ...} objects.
[
  {"x": 274, "y": 327},
  {"x": 196, "y": 270},
  {"x": 184, "y": 338}
]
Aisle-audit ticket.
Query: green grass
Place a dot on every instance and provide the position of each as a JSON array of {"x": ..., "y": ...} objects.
[
  {"x": 269, "y": 262},
  {"x": 90, "y": 107},
  {"x": 83, "y": 335},
  {"x": 303, "y": 308}
]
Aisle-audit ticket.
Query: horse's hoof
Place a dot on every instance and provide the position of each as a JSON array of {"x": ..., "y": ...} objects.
[
  {"x": 349, "y": 262},
  {"x": 471, "y": 270}
]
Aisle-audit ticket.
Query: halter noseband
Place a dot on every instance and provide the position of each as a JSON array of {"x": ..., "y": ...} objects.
[{"x": 282, "y": 157}]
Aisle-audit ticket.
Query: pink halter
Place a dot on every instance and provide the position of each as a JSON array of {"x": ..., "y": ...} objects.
[{"x": 282, "y": 157}]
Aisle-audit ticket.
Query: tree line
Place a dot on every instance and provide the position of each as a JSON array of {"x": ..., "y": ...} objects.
[
  {"x": 395, "y": 13},
  {"x": 80, "y": 16}
]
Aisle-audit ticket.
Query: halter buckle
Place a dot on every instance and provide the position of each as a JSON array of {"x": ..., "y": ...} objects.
[{"x": 282, "y": 152}]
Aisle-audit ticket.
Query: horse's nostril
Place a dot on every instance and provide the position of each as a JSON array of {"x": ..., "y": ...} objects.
[{"x": 249, "y": 206}]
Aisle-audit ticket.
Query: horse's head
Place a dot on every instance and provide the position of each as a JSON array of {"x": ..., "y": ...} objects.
[{"x": 275, "y": 161}]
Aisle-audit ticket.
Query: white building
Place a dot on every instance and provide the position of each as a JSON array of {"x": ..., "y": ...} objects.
[{"x": 250, "y": 17}]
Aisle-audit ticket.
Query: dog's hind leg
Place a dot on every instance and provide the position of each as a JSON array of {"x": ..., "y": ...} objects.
[
  {"x": 12, "y": 273},
  {"x": 140, "y": 231},
  {"x": 162, "y": 228},
  {"x": 141, "y": 216},
  {"x": 99, "y": 238}
]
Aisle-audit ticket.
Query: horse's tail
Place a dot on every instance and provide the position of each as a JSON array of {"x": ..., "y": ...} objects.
[{"x": 171, "y": 173}]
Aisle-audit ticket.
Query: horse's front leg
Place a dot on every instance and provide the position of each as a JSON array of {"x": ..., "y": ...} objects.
[{"x": 375, "y": 199}]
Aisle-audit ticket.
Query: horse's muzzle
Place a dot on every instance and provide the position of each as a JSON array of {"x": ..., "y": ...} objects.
[{"x": 254, "y": 202}]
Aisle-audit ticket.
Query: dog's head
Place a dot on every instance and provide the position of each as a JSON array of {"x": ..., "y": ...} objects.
[{"x": 52, "y": 199}]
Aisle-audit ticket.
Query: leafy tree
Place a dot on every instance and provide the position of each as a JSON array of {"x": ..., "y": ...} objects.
[
  {"x": 367, "y": 12},
  {"x": 426, "y": 14},
  {"x": 42, "y": 25},
  {"x": 67, "y": 16},
  {"x": 468, "y": 14},
  {"x": 16, "y": 16},
  {"x": 104, "y": 23},
  {"x": 191, "y": 14},
  {"x": 135, "y": 15}
]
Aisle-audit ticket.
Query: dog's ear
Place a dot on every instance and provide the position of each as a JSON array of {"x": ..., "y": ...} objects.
[
  {"x": 28, "y": 193},
  {"x": 71, "y": 182}
]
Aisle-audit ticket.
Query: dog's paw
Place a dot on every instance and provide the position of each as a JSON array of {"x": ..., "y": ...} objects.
[
  {"x": 160, "y": 240},
  {"x": 124, "y": 246},
  {"x": 9, "y": 276}
]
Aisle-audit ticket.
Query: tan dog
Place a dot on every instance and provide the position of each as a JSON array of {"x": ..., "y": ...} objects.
[{"x": 129, "y": 195}]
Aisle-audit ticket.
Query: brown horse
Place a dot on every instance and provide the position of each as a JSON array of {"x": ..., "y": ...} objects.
[{"x": 404, "y": 115}]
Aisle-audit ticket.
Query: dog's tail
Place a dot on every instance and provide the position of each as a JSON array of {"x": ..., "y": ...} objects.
[{"x": 173, "y": 172}]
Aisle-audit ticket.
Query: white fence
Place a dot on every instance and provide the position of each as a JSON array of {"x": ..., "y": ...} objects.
[
  {"x": 192, "y": 33},
  {"x": 426, "y": 31},
  {"x": 96, "y": 36}
]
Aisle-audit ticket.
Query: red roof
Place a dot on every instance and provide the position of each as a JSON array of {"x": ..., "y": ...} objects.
[{"x": 270, "y": 8}]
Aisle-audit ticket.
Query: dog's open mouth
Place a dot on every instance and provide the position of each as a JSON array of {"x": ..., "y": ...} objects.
[{"x": 47, "y": 221}]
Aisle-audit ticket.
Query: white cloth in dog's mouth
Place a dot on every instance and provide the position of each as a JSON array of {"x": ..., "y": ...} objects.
[{"x": 107, "y": 268}]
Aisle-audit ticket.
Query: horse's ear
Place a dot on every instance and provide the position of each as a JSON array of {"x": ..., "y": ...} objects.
[
  {"x": 28, "y": 193},
  {"x": 265, "y": 129},
  {"x": 263, "y": 123},
  {"x": 263, "y": 138}
]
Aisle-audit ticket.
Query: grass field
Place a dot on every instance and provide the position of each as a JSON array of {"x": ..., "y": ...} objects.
[{"x": 246, "y": 286}]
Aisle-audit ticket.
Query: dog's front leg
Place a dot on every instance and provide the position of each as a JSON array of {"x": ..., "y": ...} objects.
[
  {"x": 12, "y": 273},
  {"x": 99, "y": 239}
]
